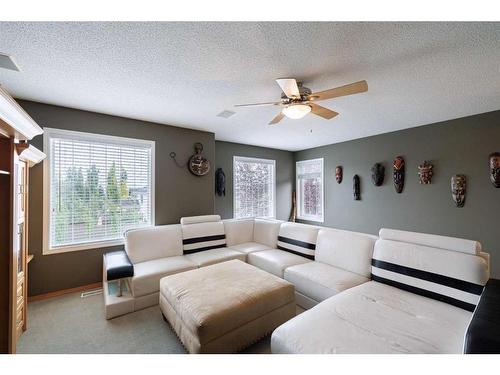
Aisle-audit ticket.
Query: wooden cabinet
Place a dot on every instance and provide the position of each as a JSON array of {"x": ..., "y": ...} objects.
[
  {"x": 16, "y": 157},
  {"x": 20, "y": 246}
]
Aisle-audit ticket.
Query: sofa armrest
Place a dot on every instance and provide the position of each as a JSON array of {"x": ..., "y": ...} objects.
[
  {"x": 118, "y": 265},
  {"x": 483, "y": 333}
]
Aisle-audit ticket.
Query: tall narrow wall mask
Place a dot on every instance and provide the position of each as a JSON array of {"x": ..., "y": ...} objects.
[
  {"x": 495, "y": 169},
  {"x": 356, "y": 188},
  {"x": 220, "y": 182},
  {"x": 399, "y": 173},
  {"x": 378, "y": 174},
  {"x": 338, "y": 174},
  {"x": 425, "y": 172},
  {"x": 458, "y": 189}
]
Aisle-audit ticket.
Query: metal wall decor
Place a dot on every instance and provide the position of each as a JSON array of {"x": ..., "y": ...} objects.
[
  {"x": 356, "y": 188},
  {"x": 220, "y": 182},
  {"x": 458, "y": 189},
  {"x": 425, "y": 172},
  {"x": 338, "y": 174},
  {"x": 197, "y": 164},
  {"x": 495, "y": 169},
  {"x": 399, "y": 173},
  {"x": 378, "y": 174}
]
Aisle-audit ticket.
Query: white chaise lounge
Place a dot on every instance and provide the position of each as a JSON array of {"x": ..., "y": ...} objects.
[{"x": 420, "y": 300}]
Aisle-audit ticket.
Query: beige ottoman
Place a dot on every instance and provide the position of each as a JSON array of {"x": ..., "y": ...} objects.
[{"x": 225, "y": 307}]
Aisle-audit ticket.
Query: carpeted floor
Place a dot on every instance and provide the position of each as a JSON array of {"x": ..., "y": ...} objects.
[{"x": 71, "y": 324}]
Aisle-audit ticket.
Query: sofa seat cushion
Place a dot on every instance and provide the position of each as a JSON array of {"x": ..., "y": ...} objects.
[
  {"x": 320, "y": 281},
  {"x": 275, "y": 261},
  {"x": 250, "y": 247},
  {"x": 207, "y": 257},
  {"x": 374, "y": 318},
  {"x": 147, "y": 274}
]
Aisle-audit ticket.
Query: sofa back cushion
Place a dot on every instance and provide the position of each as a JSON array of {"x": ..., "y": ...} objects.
[
  {"x": 299, "y": 239},
  {"x": 432, "y": 240},
  {"x": 350, "y": 251},
  {"x": 265, "y": 231},
  {"x": 153, "y": 242},
  {"x": 238, "y": 231},
  {"x": 200, "y": 235},
  {"x": 199, "y": 219},
  {"x": 449, "y": 276}
]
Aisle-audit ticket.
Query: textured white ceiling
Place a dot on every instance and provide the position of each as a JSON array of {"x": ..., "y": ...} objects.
[{"x": 184, "y": 74}]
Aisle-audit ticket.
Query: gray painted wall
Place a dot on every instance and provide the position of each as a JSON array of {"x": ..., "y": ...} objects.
[
  {"x": 285, "y": 169},
  {"x": 458, "y": 146},
  {"x": 178, "y": 192}
]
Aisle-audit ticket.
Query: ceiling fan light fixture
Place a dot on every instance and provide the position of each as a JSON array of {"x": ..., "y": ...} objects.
[{"x": 296, "y": 111}]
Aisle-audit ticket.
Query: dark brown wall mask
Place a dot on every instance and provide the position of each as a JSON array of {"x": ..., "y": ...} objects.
[
  {"x": 399, "y": 173},
  {"x": 356, "y": 187},
  {"x": 458, "y": 189},
  {"x": 338, "y": 174},
  {"x": 425, "y": 172},
  {"x": 495, "y": 169},
  {"x": 378, "y": 174}
]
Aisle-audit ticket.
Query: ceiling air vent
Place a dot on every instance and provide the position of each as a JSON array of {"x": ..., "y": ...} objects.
[
  {"x": 226, "y": 114},
  {"x": 7, "y": 62}
]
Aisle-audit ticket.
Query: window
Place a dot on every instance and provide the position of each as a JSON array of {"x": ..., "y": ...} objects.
[
  {"x": 310, "y": 190},
  {"x": 95, "y": 188},
  {"x": 254, "y": 187}
]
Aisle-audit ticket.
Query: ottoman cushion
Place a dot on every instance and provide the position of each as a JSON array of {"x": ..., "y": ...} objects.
[{"x": 215, "y": 300}]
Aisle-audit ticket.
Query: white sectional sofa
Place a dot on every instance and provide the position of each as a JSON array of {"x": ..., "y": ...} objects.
[
  {"x": 400, "y": 292},
  {"x": 420, "y": 300}
]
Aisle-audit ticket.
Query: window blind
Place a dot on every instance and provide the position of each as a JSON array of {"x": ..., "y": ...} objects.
[
  {"x": 254, "y": 187},
  {"x": 98, "y": 188},
  {"x": 310, "y": 189}
]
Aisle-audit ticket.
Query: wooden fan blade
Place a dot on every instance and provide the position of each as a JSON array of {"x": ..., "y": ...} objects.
[
  {"x": 322, "y": 111},
  {"x": 277, "y": 119},
  {"x": 289, "y": 87},
  {"x": 353, "y": 88},
  {"x": 258, "y": 104}
]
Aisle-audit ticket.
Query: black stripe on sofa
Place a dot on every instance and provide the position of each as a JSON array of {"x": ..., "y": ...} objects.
[
  {"x": 216, "y": 237},
  {"x": 296, "y": 252},
  {"x": 451, "y": 282},
  {"x": 192, "y": 251},
  {"x": 292, "y": 241},
  {"x": 425, "y": 293}
]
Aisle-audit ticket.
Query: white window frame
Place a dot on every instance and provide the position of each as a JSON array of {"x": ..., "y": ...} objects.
[
  {"x": 318, "y": 219},
  {"x": 255, "y": 160},
  {"x": 54, "y": 133}
]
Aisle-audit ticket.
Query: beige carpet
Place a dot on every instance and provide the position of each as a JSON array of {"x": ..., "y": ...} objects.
[{"x": 71, "y": 324}]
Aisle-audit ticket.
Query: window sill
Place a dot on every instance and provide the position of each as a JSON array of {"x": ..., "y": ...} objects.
[
  {"x": 81, "y": 247},
  {"x": 313, "y": 219}
]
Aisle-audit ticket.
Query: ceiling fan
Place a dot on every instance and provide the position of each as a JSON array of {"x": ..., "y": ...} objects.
[{"x": 297, "y": 100}]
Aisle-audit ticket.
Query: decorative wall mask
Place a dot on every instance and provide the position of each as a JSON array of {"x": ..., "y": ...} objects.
[
  {"x": 458, "y": 189},
  {"x": 197, "y": 164},
  {"x": 338, "y": 174},
  {"x": 356, "y": 188},
  {"x": 378, "y": 174},
  {"x": 425, "y": 172},
  {"x": 220, "y": 182},
  {"x": 495, "y": 169},
  {"x": 293, "y": 214},
  {"x": 399, "y": 173}
]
